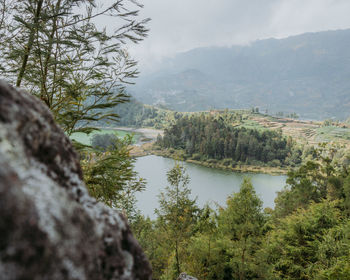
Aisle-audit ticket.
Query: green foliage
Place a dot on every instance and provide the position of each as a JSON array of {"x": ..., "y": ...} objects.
[
  {"x": 153, "y": 241},
  {"x": 327, "y": 122},
  {"x": 103, "y": 142},
  {"x": 312, "y": 182},
  {"x": 298, "y": 247},
  {"x": 55, "y": 51},
  {"x": 310, "y": 226},
  {"x": 216, "y": 139},
  {"x": 241, "y": 224},
  {"x": 86, "y": 139},
  {"x": 333, "y": 253},
  {"x": 333, "y": 133},
  {"x": 346, "y": 192},
  {"x": 177, "y": 215},
  {"x": 202, "y": 253},
  {"x": 307, "y": 236},
  {"x": 110, "y": 178}
]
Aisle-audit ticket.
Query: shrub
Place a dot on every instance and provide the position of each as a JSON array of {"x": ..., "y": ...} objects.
[
  {"x": 275, "y": 163},
  {"x": 196, "y": 156},
  {"x": 226, "y": 161},
  {"x": 104, "y": 141},
  {"x": 212, "y": 161}
]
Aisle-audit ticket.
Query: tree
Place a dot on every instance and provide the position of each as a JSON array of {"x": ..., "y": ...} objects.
[
  {"x": 110, "y": 178},
  {"x": 241, "y": 224},
  {"x": 148, "y": 233},
  {"x": 301, "y": 245},
  {"x": 55, "y": 51},
  {"x": 311, "y": 182},
  {"x": 215, "y": 138},
  {"x": 204, "y": 256},
  {"x": 346, "y": 191},
  {"x": 103, "y": 142},
  {"x": 177, "y": 212}
]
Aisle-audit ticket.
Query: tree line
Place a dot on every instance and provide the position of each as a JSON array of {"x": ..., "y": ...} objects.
[{"x": 211, "y": 137}]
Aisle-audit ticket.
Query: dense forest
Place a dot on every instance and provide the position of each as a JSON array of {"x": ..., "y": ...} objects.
[
  {"x": 306, "y": 236},
  {"x": 211, "y": 137}
]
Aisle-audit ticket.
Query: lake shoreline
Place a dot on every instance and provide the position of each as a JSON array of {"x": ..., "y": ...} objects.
[
  {"x": 145, "y": 146},
  {"x": 148, "y": 149}
]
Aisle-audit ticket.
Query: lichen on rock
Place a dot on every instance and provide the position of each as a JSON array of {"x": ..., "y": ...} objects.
[{"x": 50, "y": 227}]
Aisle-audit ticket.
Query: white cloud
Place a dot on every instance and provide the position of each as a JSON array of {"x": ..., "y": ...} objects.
[{"x": 180, "y": 25}]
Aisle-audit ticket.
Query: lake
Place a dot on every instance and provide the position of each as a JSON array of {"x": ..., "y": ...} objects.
[{"x": 207, "y": 184}]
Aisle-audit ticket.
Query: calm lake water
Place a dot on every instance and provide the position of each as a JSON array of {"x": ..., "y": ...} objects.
[{"x": 207, "y": 184}]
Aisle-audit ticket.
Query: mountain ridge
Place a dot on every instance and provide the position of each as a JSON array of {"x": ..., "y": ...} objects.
[{"x": 307, "y": 74}]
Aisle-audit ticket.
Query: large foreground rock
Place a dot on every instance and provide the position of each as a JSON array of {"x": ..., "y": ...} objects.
[{"x": 49, "y": 226}]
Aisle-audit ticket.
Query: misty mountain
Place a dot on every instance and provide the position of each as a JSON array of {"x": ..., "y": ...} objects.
[{"x": 308, "y": 74}]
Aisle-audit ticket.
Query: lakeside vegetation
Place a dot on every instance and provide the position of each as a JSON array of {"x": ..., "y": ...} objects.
[
  {"x": 303, "y": 137},
  {"x": 217, "y": 164},
  {"x": 210, "y": 138},
  {"x": 306, "y": 236},
  {"x": 306, "y": 135}
]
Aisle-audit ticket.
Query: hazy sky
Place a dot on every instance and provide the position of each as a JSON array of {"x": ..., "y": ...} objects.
[{"x": 180, "y": 25}]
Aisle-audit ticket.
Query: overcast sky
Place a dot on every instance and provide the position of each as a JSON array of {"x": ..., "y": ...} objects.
[{"x": 181, "y": 25}]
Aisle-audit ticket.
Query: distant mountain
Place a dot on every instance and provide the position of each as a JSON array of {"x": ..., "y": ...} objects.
[{"x": 308, "y": 74}]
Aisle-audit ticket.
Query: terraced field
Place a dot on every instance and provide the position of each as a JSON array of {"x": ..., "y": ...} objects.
[{"x": 311, "y": 132}]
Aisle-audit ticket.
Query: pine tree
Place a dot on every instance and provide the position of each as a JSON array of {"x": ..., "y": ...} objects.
[
  {"x": 241, "y": 223},
  {"x": 177, "y": 212}
]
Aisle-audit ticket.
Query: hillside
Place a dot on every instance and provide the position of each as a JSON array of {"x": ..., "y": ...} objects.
[
  {"x": 137, "y": 115},
  {"x": 307, "y": 134},
  {"x": 307, "y": 74}
]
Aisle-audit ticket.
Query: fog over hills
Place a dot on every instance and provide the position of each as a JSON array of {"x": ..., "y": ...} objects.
[{"x": 308, "y": 74}]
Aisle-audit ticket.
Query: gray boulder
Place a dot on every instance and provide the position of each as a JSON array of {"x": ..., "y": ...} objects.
[{"x": 50, "y": 228}]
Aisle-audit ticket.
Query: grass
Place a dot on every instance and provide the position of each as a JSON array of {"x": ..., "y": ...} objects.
[
  {"x": 251, "y": 124},
  {"x": 329, "y": 133},
  {"x": 85, "y": 139}
]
